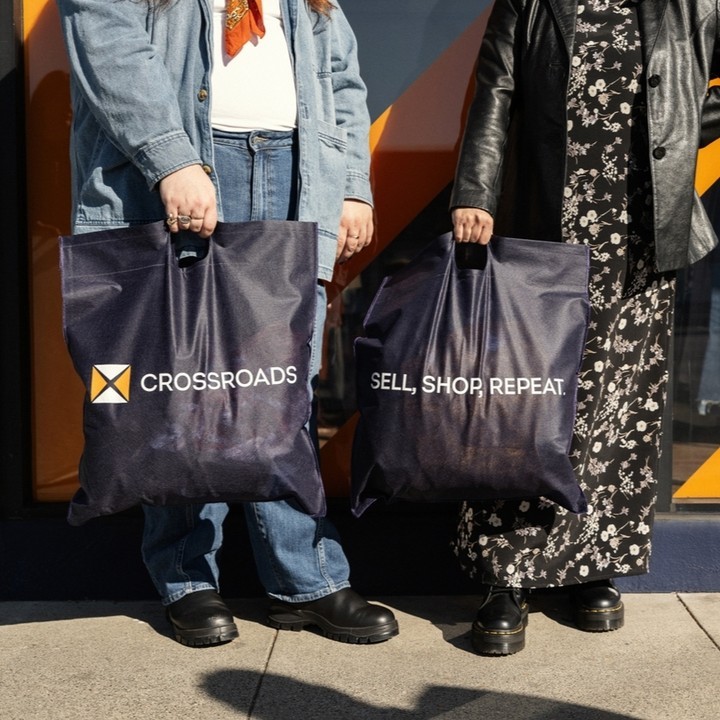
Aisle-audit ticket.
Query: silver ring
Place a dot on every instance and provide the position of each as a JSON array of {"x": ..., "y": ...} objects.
[{"x": 184, "y": 219}]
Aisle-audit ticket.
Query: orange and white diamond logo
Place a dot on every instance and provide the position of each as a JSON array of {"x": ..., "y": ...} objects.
[{"x": 110, "y": 384}]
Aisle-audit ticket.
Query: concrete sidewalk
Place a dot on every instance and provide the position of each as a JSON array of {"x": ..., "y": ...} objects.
[{"x": 108, "y": 661}]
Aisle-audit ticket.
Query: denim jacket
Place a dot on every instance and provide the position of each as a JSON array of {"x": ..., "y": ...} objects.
[{"x": 140, "y": 86}]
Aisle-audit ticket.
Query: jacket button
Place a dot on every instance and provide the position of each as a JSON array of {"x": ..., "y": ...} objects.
[
  {"x": 659, "y": 153},
  {"x": 202, "y": 95},
  {"x": 208, "y": 170},
  {"x": 654, "y": 81}
]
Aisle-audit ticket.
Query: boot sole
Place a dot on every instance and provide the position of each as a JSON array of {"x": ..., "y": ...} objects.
[
  {"x": 360, "y": 636},
  {"x": 602, "y": 620},
  {"x": 206, "y": 637},
  {"x": 498, "y": 642}
]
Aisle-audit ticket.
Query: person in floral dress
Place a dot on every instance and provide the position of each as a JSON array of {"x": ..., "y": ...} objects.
[{"x": 574, "y": 136}]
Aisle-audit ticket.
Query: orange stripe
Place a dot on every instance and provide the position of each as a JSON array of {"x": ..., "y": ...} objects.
[
  {"x": 708, "y": 168},
  {"x": 704, "y": 484}
]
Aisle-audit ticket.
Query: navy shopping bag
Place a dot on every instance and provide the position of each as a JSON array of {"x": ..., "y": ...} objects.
[
  {"x": 196, "y": 376},
  {"x": 467, "y": 375}
]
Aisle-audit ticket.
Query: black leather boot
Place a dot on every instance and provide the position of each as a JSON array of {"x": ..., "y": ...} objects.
[
  {"x": 597, "y": 606},
  {"x": 342, "y": 616},
  {"x": 202, "y": 618},
  {"x": 499, "y": 628}
]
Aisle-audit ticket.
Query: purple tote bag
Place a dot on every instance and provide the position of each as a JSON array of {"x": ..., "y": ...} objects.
[
  {"x": 467, "y": 375},
  {"x": 196, "y": 377}
]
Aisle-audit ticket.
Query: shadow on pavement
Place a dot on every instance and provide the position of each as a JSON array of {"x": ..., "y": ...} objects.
[{"x": 283, "y": 698}]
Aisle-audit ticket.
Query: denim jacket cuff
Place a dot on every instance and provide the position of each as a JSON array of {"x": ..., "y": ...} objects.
[
  {"x": 164, "y": 156},
  {"x": 357, "y": 187}
]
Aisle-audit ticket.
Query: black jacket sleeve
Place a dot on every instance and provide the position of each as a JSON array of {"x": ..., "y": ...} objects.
[{"x": 478, "y": 176}]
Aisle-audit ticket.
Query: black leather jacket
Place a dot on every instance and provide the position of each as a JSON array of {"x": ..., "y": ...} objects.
[{"x": 513, "y": 156}]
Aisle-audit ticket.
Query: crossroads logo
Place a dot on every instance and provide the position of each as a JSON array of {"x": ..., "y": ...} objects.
[{"x": 110, "y": 384}]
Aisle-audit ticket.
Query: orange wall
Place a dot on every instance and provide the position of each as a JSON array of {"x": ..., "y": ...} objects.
[{"x": 56, "y": 391}]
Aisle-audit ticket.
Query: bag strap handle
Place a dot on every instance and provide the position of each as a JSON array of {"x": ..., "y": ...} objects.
[{"x": 471, "y": 256}]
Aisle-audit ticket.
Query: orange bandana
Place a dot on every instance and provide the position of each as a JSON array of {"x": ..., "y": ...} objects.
[{"x": 243, "y": 19}]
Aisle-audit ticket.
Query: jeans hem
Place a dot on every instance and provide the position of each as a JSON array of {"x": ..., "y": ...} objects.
[
  {"x": 309, "y": 597},
  {"x": 187, "y": 590}
]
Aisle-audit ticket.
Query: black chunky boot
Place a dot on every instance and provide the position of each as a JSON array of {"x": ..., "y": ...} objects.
[
  {"x": 499, "y": 628},
  {"x": 343, "y": 615},
  {"x": 202, "y": 618},
  {"x": 597, "y": 606}
]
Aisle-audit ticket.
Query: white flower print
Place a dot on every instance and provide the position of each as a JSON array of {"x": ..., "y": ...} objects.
[{"x": 495, "y": 520}]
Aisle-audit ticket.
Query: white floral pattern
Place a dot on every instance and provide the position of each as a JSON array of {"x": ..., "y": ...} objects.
[{"x": 622, "y": 385}]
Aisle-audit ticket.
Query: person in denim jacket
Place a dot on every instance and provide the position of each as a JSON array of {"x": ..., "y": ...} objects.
[{"x": 175, "y": 118}]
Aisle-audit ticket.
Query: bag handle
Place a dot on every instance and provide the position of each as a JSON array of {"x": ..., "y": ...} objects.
[{"x": 470, "y": 256}]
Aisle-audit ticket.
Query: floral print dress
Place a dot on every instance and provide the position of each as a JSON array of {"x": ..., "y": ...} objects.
[{"x": 622, "y": 385}]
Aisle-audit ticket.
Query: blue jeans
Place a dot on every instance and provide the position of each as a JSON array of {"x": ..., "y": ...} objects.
[{"x": 298, "y": 558}]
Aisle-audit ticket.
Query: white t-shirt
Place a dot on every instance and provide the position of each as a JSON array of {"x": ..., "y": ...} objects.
[{"x": 255, "y": 90}]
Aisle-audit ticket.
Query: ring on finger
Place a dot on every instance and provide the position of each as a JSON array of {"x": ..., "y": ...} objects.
[
  {"x": 170, "y": 220},
  {"x": 184, "y": 219}
]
